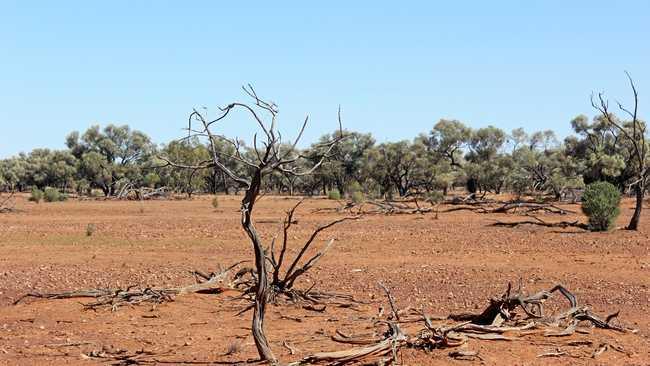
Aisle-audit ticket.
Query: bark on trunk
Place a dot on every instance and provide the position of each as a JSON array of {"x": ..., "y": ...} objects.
[
  {"x": 261, "y": 296},
  {"x": 471, "y": 187},
  {"x": 639, "y": 192}
]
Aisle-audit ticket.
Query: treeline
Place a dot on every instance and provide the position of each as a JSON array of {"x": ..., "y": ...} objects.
[{"x": 105, "y": 161}]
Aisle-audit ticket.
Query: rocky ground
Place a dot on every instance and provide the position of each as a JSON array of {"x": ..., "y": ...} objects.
[{"x": 447, "y": 265}]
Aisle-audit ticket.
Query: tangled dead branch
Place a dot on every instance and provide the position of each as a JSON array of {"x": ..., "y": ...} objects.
[
  {"x": 131, "y": 192},
  {"x": 7, "y": 204},
  {"x": 380, "y": 207},
  {"x": 498, "y": 318},
  {"x": 114, "y": 298},
  {"x": 282, "y": 281}
]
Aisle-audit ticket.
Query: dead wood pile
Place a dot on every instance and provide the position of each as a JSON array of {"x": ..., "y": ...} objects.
[{"x": 511, "y": 316}]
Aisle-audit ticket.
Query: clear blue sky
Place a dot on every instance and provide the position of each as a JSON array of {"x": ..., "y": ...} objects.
[{"x": 395, "y": 67}]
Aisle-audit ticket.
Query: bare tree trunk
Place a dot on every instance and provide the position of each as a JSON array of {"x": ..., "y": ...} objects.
[
  {"x": 639, "y": 192},
  {"x": 224, "y": 180},
  {"x": 472, "y": 186},
  {"x": 261, "y": 296}
]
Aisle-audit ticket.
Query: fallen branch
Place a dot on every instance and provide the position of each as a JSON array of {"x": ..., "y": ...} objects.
[
  {"x": 510, "y": 207},
  {"x": 499, "y": 317},
  {"x": 539, "y": 222},
  {"x": 377, "y": 207},
  {"x": 118, "y": 297}
]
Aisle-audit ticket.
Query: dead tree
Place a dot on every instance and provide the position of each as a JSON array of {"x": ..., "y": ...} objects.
[
  {"x": 634, "y": 133},
  {"x": 7, "y": 203},
  {"x": 271, "y": 157}
]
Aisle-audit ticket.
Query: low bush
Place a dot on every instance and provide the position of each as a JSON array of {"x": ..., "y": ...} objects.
[
  {"x": 354, "y": 186},
  {"x": 357, "y": 197},
  {"x": 600, "y": 202},
  {"x": 36, "y": 196},
  {"x": 53, "y": 195},
  {"x": 334, "y": 194},
  {"x": 215, "y": 202}
]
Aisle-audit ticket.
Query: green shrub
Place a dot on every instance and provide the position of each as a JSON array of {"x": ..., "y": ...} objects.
[
  {"x": 53, "y": 195},
  {"x": 357, "y": 197},
  {"x": 334, "y": 194},
  {"x": 600, "y": 202},
  {"x": 215, "y": 202},
  {"x": 354, "y": 187},
  {"x": 36, "y": 196}
]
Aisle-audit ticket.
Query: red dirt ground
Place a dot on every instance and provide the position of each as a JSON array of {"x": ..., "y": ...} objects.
[{"x": 452, "y": 264}]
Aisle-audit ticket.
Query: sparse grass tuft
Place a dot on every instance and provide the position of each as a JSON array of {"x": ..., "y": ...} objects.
[
  {"x": 90, "y": 229},
  {"x": 234, "y": 348}
]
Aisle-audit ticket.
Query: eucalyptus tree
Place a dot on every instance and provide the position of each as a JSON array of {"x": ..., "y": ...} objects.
[
  {"x": 110, "y": 155},
  {"x": 345, "y": 165},
  {"x": 48, "y": 168},
  {"x": 540, "y": 163},
  {"x": 599, "y": 147},
  {"x": 402, "y": 166},
  {"x": 486, "y": 163},
  {"x": 477, "y": 153},
  {"x": 191, "y": 152},
  {"x": 449, "y": 139},
  {"x": 14, "y": 173}
]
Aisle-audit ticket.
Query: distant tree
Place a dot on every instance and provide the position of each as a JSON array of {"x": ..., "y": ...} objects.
[
  {"x": 448, "y": 139},
  {"x": 545, "y": 167},
  {"x": 345, "y": 164},
  {"x": 110, "y": 156},
  {"x": 396, "y": 166},
  {"x": 600, "y": 149},
  {"x": 486, "y": 164},
  {"x": 517, "y": 138},
  {"x": 48, "y": 168},
  {"x": 190, "y": 152},
  {"x": 14, "y": 173}
]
